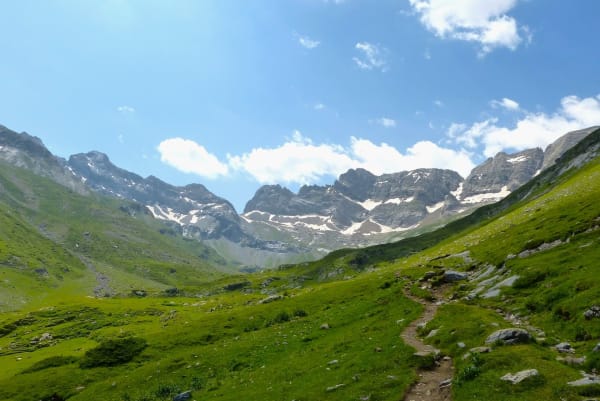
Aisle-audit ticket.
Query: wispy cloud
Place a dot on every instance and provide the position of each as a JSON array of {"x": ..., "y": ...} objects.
[
  {"x": 126, "y": 109},
  {"x": 532, "y": 130},
  {"x": 438, "y": 103},
  {"x": 505, "y": 103},
  {"x": 307, "y": 42},
  {"x": 372, "y": 56},
  {"x": 121, "y": 138},
  {"x": 319, "y": 106},
  {"x": 484, "y": 22},
  {"x": 385, "y": 122},
  {"x": 427, "y": 54}
]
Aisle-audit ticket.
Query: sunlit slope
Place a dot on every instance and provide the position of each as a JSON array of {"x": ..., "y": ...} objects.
[{"x": 51, "y": 237}]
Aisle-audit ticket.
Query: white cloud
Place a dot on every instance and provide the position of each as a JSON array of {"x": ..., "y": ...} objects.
[
  {"x": 386, "y": 122},
  {"x": 505, "y": 103},
  {"x": 189, "y": 157},
  {"x": 533, "y": 130},
  {"x": 383, "y": 158},
  {"x": 125, "y": 109},
  {"x": 297, "y": 161},
  {"x": 307, "y": 42},
  {"x": 301, "y": 161},
  {"x": 373, "y": 56},
  {"x": 438, "y": 103},
  {"x": 319, "y": 106},
  {"x": 427, "y": 54},
  {"x": 481, "y": 21},
  {"x": 121, "y": 138}
]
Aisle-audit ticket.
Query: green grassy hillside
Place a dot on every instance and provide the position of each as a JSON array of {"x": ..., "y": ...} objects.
[
  {"x": 52, "y": 239},
  {"x": 328, "y": 329}
]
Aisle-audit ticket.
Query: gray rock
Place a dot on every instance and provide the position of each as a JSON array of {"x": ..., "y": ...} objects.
[
  {"x": 333, "y": 388},
  {"x": 325, "y": 326},
  {"x": 596, "y": 348},
  {"x": 480, "y": 350},
  {"x": 270, "y": 299},
  {"x": 451, "y": 276},
  {"x": 572, "y": 361},
  {"x": 509, "y": 336},
  {"x": 460, "y": 345},
  {"x": 432, "y": 333},
  {"x": 587, "y": 380},
  {"x": 520, "y": 376},
  {"x": 564, "y": 348},
  {"x": 592, "y": 313},
  {"x": 446, "y": 383},
  {"x": 183, "y": 396}
]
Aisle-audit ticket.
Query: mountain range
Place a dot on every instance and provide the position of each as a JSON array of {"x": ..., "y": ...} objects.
[{"x": 279, "y": 226}]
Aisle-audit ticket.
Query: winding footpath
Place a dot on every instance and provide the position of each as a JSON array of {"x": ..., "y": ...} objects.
[{"x": 430, "y": 385}]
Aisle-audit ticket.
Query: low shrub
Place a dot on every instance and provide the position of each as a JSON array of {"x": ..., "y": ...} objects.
[{"x": 113, "y": 352}]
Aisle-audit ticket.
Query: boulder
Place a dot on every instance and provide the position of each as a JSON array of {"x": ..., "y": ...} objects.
[
  {"x": 270, "y": 299},
  {"x": 333, "y": 388},
  {"x": 564, "y": 348},
  {"x": 187, "y": 395},
  {"x": 451, "y": 276},
  {"x": 480, "y": 350},
  {"x": 586, "y": 381},
  {"x": 592, "y": 313},
  {"x": 520, "y": 376},
  {"x": 509, "y": 336}
]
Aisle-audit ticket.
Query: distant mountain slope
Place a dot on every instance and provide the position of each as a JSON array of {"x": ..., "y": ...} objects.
[
  {"x": 567, "y": 164},
  {"x": 279, "y": 226},
  {"x": 55, "y": 240}
]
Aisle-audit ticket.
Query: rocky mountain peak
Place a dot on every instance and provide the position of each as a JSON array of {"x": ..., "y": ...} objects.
[
  {"x": 502, "y": 173},
  {"x": 355, "y": 183},
  {"x": 564, "y": 143}
]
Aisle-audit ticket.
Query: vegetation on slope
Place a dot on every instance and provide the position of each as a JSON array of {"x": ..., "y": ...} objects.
[{"x": 330, "y": 329}]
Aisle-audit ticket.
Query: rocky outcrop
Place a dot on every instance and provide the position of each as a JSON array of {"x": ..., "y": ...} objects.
[
  {"x": 503, "y": 173},
  {"x": 564, "y": 143},
  {"x": 509, "y": 336},
  {"x": 520, "y": 376}
]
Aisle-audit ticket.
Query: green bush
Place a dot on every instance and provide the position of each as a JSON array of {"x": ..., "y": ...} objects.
[
  {"x": 113, "y": 352},
  {"x": 52, "y": 362}
]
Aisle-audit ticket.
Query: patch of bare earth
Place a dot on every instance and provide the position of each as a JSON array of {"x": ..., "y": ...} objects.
[{"x": 432, "y": 385}]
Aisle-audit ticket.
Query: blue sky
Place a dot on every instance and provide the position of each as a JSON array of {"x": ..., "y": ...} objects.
[{"x": 236, "y": 94}]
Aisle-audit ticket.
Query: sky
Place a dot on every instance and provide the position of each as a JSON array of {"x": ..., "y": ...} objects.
[{"x": 235, "y": 94}]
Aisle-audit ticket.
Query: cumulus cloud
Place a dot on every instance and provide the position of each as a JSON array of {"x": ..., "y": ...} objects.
[
  {"x": 125, "y": 109},
  {"x": 484, "y": 22},
  {"x": 302, "y": 161},
  {"x": 189, "y": 157},
  {"x": 297, "y": 161},
  {"x": 505, "y": 103},
  {"x": 307, "y": 42},
  {"x": 372, "y": 56},
  {"x": 532, "y": 130},
  {"x": 386, "y": 122}
]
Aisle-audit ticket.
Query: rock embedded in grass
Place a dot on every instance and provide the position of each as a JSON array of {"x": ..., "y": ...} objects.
[
  {"x": 187, "y": 395},
  {"x": 520, "y": 376},
  {"x": 451, "y": 276},
  {"x": 592, "y": 313},
  {"x": 564, "y": 348},
  {"x": 509, "y": 336}
]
